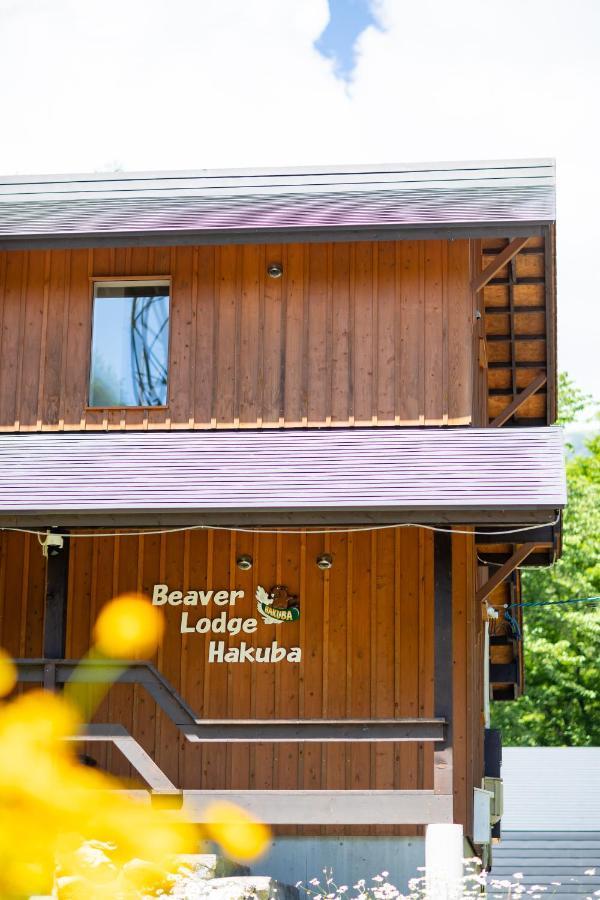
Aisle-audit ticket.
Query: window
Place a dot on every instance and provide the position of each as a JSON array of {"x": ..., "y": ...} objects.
[{"x": 130, "y": 343}]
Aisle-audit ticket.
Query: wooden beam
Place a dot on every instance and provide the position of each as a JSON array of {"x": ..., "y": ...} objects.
[
  {"x": 443, "y": 774},
  {"x": 542, "y": 556},
  {"x": 377, "y": 807},
  {"x": 520, "y": 554},
  {"x": 538, "y": 382},
  {"x": 55, "y": 609},
  {"x": 544, "y": 536},
  {"x": 321, "y": 730},
  {"x": 499, "y": 262},
  {"x": 227, "y": 730},
  {"x": 99, "y": 671},
  {"x": 133, "y": 752}
]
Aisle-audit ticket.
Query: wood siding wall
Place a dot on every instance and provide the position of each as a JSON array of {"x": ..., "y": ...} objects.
[
  {"x": 362, "y": 333},
  {"x": 366, "y": 633}
]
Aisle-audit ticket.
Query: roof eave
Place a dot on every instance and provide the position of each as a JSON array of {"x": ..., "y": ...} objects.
[
  {"x": 443, "y": 231},
  {"x": 279, "y": 518}
]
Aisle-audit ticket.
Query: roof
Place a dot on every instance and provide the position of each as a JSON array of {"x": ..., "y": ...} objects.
[
  {"x": 339, "y": 476},
  {"x": 563, "y": 864},
  {"x": 551, "y": 788},
  {"x": 248, "y": 205}
]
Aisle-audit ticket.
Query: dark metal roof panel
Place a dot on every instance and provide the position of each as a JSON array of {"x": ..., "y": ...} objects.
[
  {"x": 262, "y": 203},
  {"x": 347, "y": 471}
]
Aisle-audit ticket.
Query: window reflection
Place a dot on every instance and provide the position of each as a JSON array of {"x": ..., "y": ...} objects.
[{"x": 130, "y": 344}]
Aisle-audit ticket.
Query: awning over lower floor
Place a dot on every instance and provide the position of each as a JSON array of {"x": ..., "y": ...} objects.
[{"x": 338, "y": 476}]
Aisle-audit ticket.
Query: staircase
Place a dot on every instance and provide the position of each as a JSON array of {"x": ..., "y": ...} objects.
[{"x": 556, "y": 859}]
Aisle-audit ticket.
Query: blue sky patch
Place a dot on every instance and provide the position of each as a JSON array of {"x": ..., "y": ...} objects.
[{"x": 348, "y": 19}]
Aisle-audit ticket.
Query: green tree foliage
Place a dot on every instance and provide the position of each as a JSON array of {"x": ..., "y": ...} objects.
[
  {"x": 572, "y": 401},
  {"x": 561, "y": 705}
]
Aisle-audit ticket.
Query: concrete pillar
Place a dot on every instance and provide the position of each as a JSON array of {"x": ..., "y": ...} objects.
[{"x": 444, "y": 862}]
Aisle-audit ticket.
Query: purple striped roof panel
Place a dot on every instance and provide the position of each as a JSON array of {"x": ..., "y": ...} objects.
[
  {"x": 276, "y": 201},
  {"x": 360, "y": 471}
]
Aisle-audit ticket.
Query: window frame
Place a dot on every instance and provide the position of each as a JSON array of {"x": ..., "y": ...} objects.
[{"x": 123, "y": 281}]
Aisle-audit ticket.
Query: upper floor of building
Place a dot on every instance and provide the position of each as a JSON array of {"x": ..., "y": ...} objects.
[{"x": 388, "y": 295}]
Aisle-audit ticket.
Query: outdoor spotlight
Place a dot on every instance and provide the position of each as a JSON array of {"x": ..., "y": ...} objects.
[
  {"x": 324, "y": 561},
  {"x": 274, "y": 270},
  {"x": 52, "y": 544},
  {"x": 244, "y": 562}
]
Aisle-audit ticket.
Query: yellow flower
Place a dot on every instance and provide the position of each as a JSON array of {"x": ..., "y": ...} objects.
[
  {"x": 73, "y": 830},
  {"x": 58, "y": 816},
  {"x": 8, "y": 674},
  {"x": 33, "y": 752},
  {"x": 129, "y": 627},
  {"x": 241, "y": 836},
  {"x": 39, "y": 717}
]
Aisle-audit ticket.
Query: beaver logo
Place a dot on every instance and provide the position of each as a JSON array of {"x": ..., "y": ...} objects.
[{"x": 278, "y": 605}]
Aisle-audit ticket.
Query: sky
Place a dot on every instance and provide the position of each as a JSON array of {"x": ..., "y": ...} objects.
[{"x": 98, "y": 85}]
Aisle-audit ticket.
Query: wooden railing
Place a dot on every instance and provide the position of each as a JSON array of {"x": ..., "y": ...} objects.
[{"x": 296, "y": 807}]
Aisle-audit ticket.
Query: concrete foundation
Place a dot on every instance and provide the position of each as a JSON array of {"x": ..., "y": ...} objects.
[{"x": 293, "y": 859}]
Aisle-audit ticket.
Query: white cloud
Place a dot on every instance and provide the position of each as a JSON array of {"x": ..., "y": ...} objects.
[
  {"x": 160, "y": 84},
  {"x": 164, "y": 84}
]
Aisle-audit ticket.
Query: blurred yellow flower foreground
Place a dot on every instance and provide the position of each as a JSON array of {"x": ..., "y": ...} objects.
[
  {"x": 69, "y": 828},
  {"x": 50, "y": 805},
  {"x": 129, "y": 627}
]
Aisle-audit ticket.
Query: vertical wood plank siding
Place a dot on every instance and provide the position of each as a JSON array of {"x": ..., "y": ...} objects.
[
  {"x": 363, "y": 333},
  {"x": 366, "y": 633}
]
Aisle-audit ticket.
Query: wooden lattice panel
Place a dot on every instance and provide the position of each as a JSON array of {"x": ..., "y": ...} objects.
[{"x": 519, "y": 321}]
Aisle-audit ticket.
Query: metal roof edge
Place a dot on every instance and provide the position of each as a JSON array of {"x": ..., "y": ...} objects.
[
  {"x": 265, "y": 171},
  {"x": 441, "y": 431},
  {"x": 425, "y": 200}
]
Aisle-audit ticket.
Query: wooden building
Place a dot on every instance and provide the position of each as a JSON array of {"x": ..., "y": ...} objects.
[{"x": 309, "y": 413}]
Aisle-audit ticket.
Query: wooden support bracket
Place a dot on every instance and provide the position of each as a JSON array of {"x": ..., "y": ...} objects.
[
  {"x": 520, "y": 554},
  {"x": 498, "y": 263},
  {"x": 532, "y": 388}
]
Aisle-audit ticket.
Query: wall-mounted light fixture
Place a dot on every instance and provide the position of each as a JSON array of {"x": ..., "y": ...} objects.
[
  {"x": 324, "y": 561},
  {"x": 244, "y": 562},
  {"x": 274, "y": 270},
  {"x": 52, "y": 544}
]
